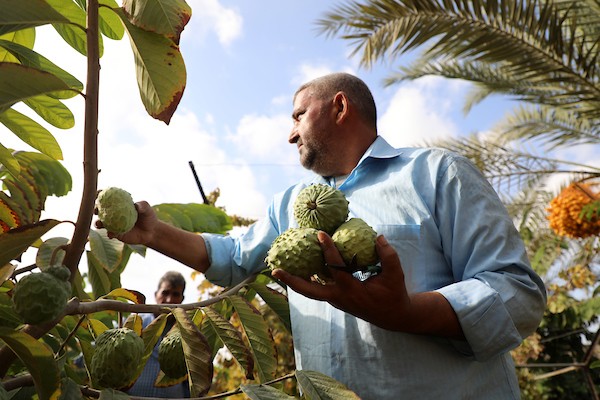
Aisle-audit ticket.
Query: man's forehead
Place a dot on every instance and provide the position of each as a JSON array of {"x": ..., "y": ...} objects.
[{"x": 168, "y": 286}]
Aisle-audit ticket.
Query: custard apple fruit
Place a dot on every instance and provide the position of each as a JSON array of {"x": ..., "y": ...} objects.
[
  {"x": 297, "y": 251},
  {"x": 118, "y": 353},
  {"x": 355, "y": 240},
  {"x": 171, "y": 357},
  {"x": 41, "y": 297},
  {"x": 321, "y": 207},
  {"x": 116, "y": 210}
]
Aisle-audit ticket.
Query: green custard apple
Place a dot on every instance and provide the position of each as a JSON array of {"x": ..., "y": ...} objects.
[
  {"x": 297, "y": 251},
  {"x": 355, "y": 240},
  {"x": 118, "y": 353},
  {"x": 321, "y": 207},
  {"x": 42, "y": 297},
  {"x": 116, "y": 210},
  {"x": 171, "y": 357}
]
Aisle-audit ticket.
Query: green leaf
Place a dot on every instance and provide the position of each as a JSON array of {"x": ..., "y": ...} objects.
[
  {"x": 195, "y": 217},
  {"x": 48, "y": 248},
  {"x": 50, "y": 175},
  {"x": 264, "y": 392},
  {"x": 165, "y": 17},
  {"x": 52, "y": 111},
  {"x": 198, "y": 356},
  {"x": 29, "y": 58},
  {"x": 317, "y": 386},
  {"x": 110, "y": 23},
  {"x": 25, "y": 37},
  {"x": 107, "y": 252},
  {"x": 218, "y": 326},
  {"x": 14, "y": 242},
  {"x": 31, "y": 133},
  {"x": 160, "y": 70},
  {"x": 259, "y": 336},
  {"x": 277, "y": 301},
  {"x": 151, "y": 334},
  {"x": 39, "y": 360},
  {"x": 21, "y": 14},
  {"x": 98, "y": 276},
  {"x": 8, "y": 161},
  {"x": 18, "y": 82}
]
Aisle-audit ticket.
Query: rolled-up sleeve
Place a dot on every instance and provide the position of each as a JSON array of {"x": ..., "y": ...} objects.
[{"x": 498, "y": 298}]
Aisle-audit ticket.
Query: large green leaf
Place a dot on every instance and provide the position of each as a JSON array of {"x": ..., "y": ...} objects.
[
  {"x": 198, "y": 355},
  {"x": 195, "y": 217},
  {"x": 107, "y": 252},
  {"x": 110, "y": 23},
  {"x": 216, "y": 325},
  {"x": 259, "y": 337},
  {"x": 14, "y": 242},
  {"x": 98, "y": 276},
  {"x": 49, "y": 174},
  {"x": 160, "y": 70},
  {"x": 31, "y": 133},
  {"x": 25, "y": 37},
  {"x": 39, "y": 360},
  {"x": 21, "y": 14},
  {"x": 166, "y": 17},
  {"x": 277, "y": 301},
  {"x": 317, "y": 386},
  {"x": 52, "y": 111},
  {"x": 264, "y": 392},
  {"x": 18, "y": 82},
  {"x": 29, "y": 58},
  {"x": 8, "y": 161}
]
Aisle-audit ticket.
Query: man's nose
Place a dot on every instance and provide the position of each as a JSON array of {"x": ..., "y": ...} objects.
[{"x": 293, "y": 138}]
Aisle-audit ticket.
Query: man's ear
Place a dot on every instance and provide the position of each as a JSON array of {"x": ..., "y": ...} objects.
[{"x": 341, "y": 107}]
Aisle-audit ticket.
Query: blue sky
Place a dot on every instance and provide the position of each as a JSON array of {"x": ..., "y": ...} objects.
[{"x": 244, "y": 61}]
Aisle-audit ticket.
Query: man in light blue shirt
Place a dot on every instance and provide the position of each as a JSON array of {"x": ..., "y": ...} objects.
[{"x": 456, "y": 292}]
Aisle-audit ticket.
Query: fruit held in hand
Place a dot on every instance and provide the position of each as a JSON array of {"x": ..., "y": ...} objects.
[
  {"x": 297, "y": 251},
  {"x": 321, "y": 207},
  {"x": 355, "y": 240},
  {"x": 41, "y": 297},
  {"x": 118, "y": 353},
  {"x": 116, "y": 210},
  {"x": 171, "y": 357}
]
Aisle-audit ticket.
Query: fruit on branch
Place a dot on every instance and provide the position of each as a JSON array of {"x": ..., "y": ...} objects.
[
  {"x": 297, "y": 251},
  {"x": 565, "y": 212},
  {"x": 321, "y": 207},
  {"x": 41, "y": 297},
  {"x": 355, "y": 240},
  {"x": 171, "y": 357},
  {"x": 116, "y": 210},
  {"x": 116, "y": 357}
]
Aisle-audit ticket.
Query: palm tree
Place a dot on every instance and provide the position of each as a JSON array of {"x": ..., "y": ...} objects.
[{"x": 545, "y": 55}]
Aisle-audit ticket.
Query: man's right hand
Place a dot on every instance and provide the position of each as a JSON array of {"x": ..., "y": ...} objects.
[{"x": 144, "y": 228}]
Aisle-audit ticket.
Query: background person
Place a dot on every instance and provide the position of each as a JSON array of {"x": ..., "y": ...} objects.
[{"x": 171, "y": 287}]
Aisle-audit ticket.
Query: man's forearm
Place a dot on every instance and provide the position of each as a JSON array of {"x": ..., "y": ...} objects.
[{"x": 186, "y": 247}]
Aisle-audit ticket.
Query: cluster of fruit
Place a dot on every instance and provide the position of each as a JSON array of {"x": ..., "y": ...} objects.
[
  {"x": 118, "y": 349},
  {"x": 565, "y": 212},
  {"x": 322, "y": 207}
]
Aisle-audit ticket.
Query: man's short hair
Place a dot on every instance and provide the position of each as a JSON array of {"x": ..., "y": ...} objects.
[
  {"x": 355, "y": 88},
  {"x": 175, "y": 278}
]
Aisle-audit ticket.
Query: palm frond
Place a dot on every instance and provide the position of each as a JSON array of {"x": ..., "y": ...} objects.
[
  {"x": 553, "y": 126},
  {"x": 550, "y": 48}
]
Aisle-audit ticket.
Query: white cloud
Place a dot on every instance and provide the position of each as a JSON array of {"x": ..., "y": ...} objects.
[
  {"x": 211, "y": 16},
  {"x": 419, "y": 111}
]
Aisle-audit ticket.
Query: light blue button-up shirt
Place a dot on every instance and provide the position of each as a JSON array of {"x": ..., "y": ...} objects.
[{"x": 454, "y": 236}]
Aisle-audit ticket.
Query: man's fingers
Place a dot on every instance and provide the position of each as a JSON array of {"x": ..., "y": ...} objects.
[
  {"x": 310, "y": 289},
  {"x": 330, "y": 252}
]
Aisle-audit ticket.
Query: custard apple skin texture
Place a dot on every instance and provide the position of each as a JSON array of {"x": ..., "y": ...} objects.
[
  {"x": 171, "y": 357},
  {"x": 297, "y": 251},
  {"x": 40, "y": 297},
  {"x": 116, "y": 210},
  {"x": 355, "y": 240},
  {"x": 117, "y": 355},
  {"x": 321, "y": 207}
]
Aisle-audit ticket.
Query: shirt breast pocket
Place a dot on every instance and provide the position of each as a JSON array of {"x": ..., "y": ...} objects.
[{"x": 406, "y": 240}]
